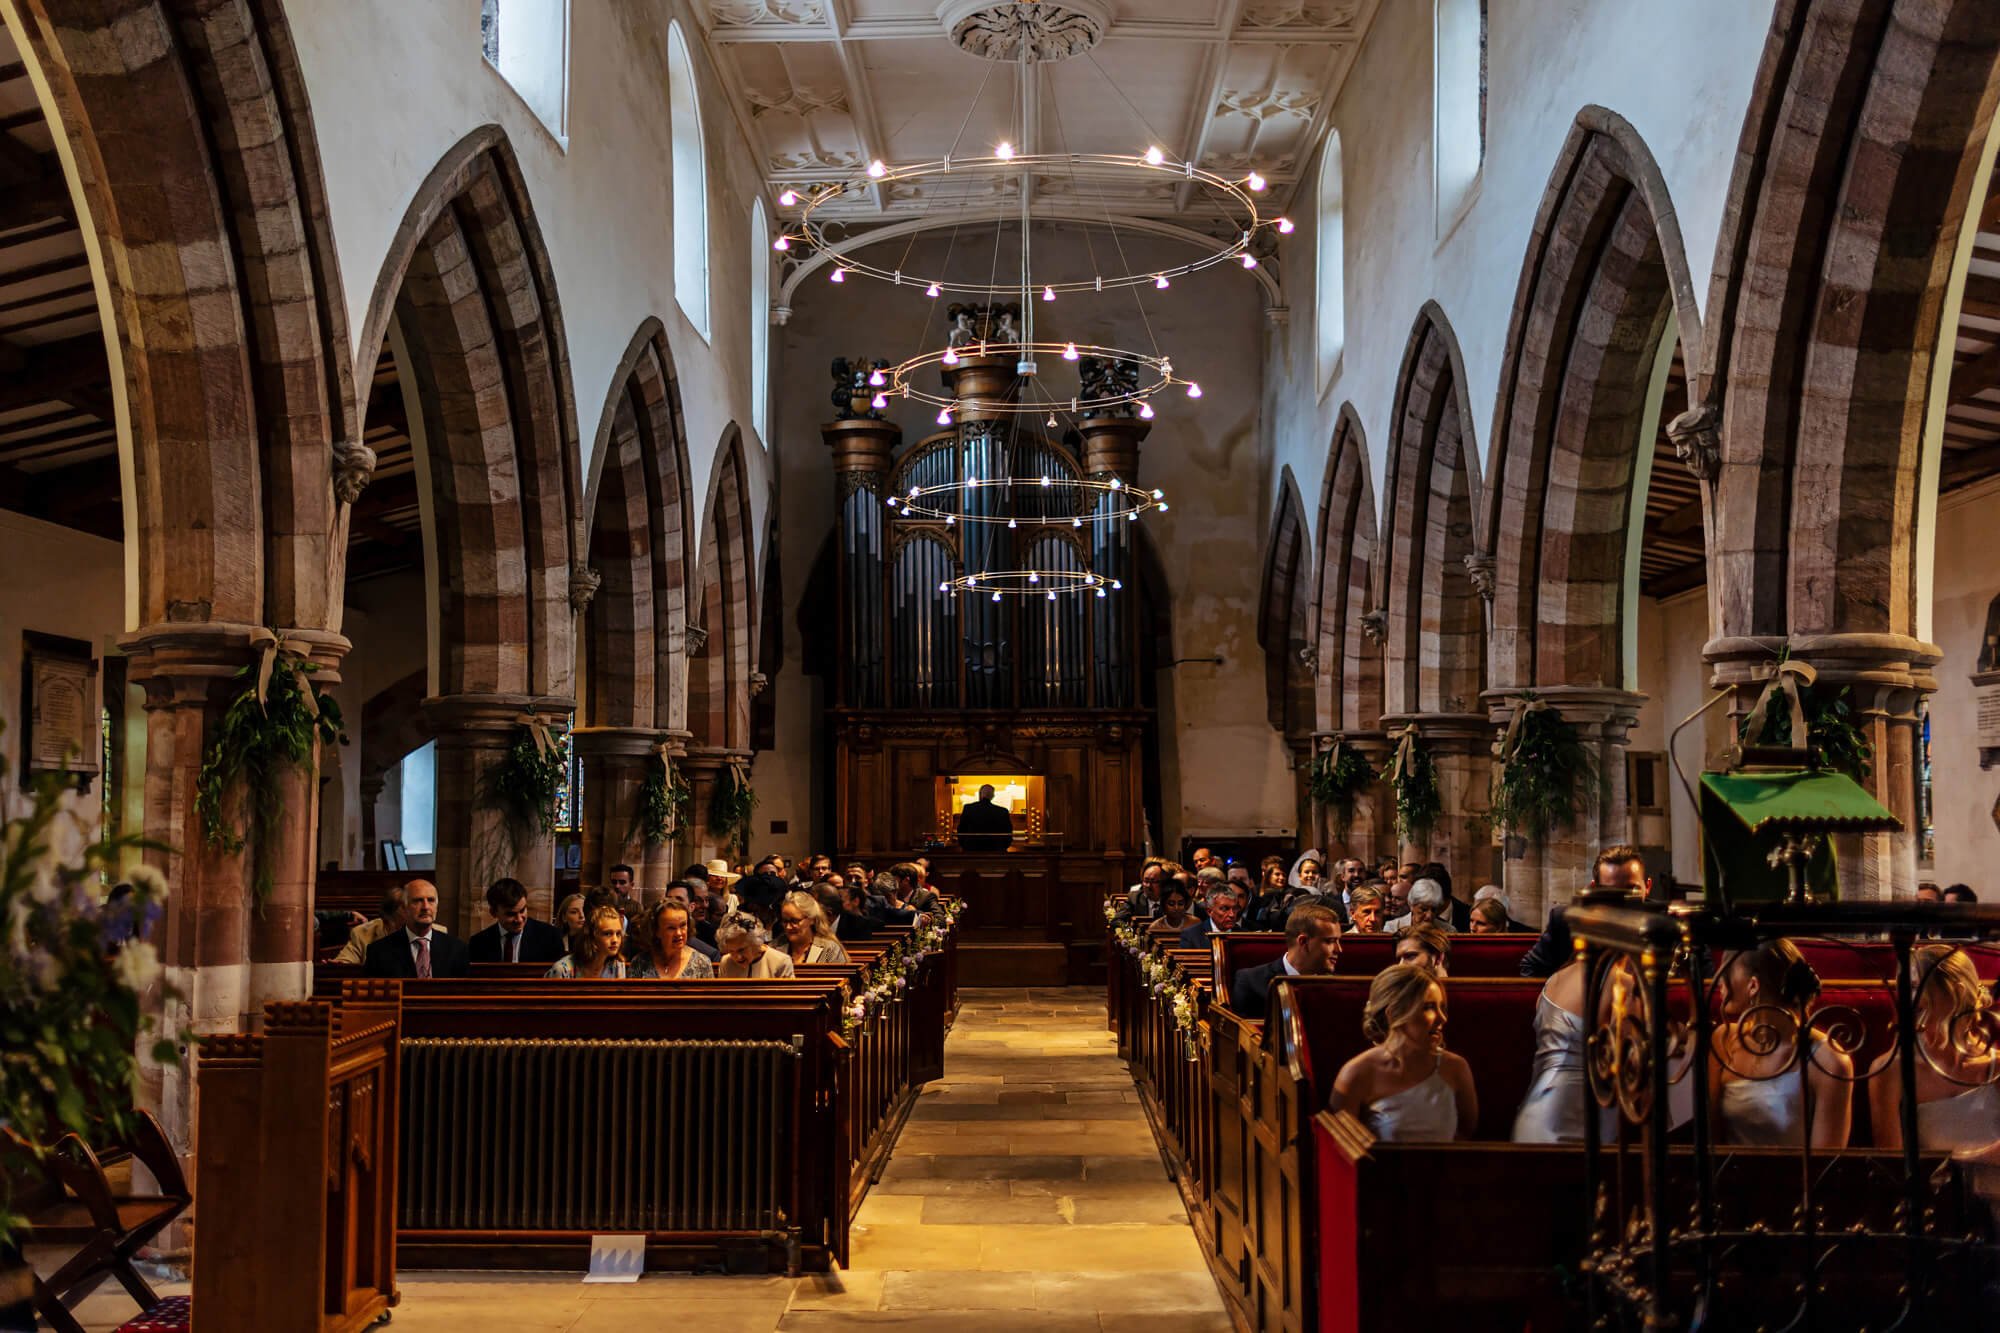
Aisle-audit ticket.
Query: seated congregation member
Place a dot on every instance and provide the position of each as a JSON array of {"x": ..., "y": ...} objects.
[
  {"x": 911, "y": 888},
  {"x": 1176, "y": 912},
  {"x": 1958, "y": 1074},
  {"x": 1143, "y": 898},
  {"x": 808, "y": 937},
  {"x": 1407, "y": 1087},
  {"x": 623, "y": 884},
  {"x": 421, "y": 948},
  {"x": 661, "y": 945},
  {"x": 746, "y": 952},
  {"x": 1499, "y": 895},
  {"x": 1225, "y": 909},
  {"x": 569, "y": 915},
  {"x": 885, "y": 903},
  {"x": 762, "y": 896},
  {"x": 514, "y": 936},
  {"x": 682, "y": 896},
  {"x": 355, "y": 951},
  {"x": 1364, "y": 910},
  {"x": 1429, "y": 905},
  {"x": 1425, "y": 946},
  {"x": 1456, "y": 910},
  {"x": 848, "y": 909},
  {"x": 1489, "y": 917},
  {"x": 1553, "y": 1110},
  {"x": 595, "y": 951},
  {"x": 1619, "y": 870},
  {"x": 1763, "y": 1041},
  {"x": 1312, "y": 949}
]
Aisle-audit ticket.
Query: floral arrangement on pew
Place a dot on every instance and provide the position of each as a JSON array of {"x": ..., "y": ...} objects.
[
  {"x": 1413, "y": 777},
  {"x": 72, "y": 972},
  {"x": 889, "y": 975},
  {"x": 275, "y": 722},
  {"x": 1335, "y": 781},
  {"x": 664, "y": 798},
  {"x": 1165, "y": 979},
  {"x": 1542, "y": 767}
]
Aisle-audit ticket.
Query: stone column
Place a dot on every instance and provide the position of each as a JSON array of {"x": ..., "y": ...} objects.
[
  {"x": 371, "y": 795},
  {"x": 704, "y": 763},
  {"x": 1887, "y": 677},
  {"x": 1461, "y": 748},
  {"x": 1371, "y": 834},
  {"x": 616, "y": 761},
  {"x": 862, "y": 449},
  {"x": 1538, "y": 877},
  {"x": 224, "y": 953},
  {"x": 475, "y": 846}
]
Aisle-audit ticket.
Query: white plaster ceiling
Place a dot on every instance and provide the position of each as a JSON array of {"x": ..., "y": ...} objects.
[{"x": 827, "y": 86}]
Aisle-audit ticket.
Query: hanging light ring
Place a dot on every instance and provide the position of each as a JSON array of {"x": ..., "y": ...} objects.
[
  {"x": 1032, "y": 503},
  {"x": 1047, "y": 584},
  {"x": 903, "y": 381}
]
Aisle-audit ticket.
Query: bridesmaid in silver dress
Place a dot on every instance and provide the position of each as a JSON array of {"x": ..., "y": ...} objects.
[
  {"x": 1407, "y": 1087},
  {"x": 1552, "y": 1112},
  {"x": 1768, "y": 1069},
  {"x": 1958, "y": 1068}
]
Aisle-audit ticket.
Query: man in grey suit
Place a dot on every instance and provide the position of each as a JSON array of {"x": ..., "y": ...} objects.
[{"x": 1312, "y": 949}]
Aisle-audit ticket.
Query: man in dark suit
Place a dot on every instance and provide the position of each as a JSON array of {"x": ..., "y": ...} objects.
[
  {"x": 847, "y": 909},
  {"x": 419, "y": 949},
  {"x": 1225, "y": 908},
  {"x": 984, "y": 826},
  {"x": 514, "y": 936},
  {"x": 1312, "y": 949}
]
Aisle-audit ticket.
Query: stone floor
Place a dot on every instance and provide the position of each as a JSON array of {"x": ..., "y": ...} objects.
[{"x": 1026, "y": 1193}]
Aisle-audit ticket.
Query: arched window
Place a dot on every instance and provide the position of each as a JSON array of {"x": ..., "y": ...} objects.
[
  {"x": 1330, "y": 304},
  {"x": 1458, "y": 90},
  {"x": 528, "y": 42},
  {"x": 760, "y": 322},
  {"x": 690, "y": 184}
]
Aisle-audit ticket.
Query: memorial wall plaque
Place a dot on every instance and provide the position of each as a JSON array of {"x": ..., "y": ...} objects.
[{"x": 59, "y": 706}]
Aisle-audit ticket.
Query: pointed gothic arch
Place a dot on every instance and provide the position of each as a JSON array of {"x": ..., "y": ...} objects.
[
  {"x": 719, "y": 673},
  {"x": 1284, "y": 617},
  {"x": 1348, "y": 674}
]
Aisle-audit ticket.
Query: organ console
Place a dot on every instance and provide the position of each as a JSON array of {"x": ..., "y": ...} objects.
[{"x": 938, "y": 691}]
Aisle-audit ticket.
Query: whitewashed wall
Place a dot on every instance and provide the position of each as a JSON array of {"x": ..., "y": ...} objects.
[{"x": 1967, "y": 581}]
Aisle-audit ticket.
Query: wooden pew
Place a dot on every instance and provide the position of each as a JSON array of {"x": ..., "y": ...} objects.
[{"x": 297, "y": 1167}]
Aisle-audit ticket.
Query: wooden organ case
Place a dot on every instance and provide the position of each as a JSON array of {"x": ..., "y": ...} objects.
[{"x": 936, "y": 688}]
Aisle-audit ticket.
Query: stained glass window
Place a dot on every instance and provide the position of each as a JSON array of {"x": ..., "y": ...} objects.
[{"x": 1927, "y": 829}]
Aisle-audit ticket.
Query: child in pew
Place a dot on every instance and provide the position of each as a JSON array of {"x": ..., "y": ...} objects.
[
  {"x": 1958, "y": 1074},
  {"x": 1407, "y": 1088},
  {"x": 594, "y": 951},
  {"x": 1771, "y": 1075}
]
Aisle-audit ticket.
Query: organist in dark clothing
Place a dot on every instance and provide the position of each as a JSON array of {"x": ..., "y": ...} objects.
[{"x": 984, "y": 826}]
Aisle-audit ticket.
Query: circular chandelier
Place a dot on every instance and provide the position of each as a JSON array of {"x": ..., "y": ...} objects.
[
  {"x": 1043, "y": 583},
  {"x": 1094, "y": 396},
  {"x": 1067, "y": 502},
  {"x": 1239, "y": 196}
]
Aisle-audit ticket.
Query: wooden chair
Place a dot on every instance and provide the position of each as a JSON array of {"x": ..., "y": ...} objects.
[{"x": 104, "y": 1229}]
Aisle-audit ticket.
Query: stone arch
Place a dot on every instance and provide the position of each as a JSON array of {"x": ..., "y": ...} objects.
[
  {"x": 1854, "y": 177},
  {"x": 719, "y": 672},
  {"x": 191, "y": 151},
  {"x": 1284, "y": 619},
  {"x": 1605, "y": 278},
  {"x": 1349, "y": 665},
  {"x": 468, "y": 282},
  {"x": 1433, "y": 658},
  {"x": 641, "y": 544}
]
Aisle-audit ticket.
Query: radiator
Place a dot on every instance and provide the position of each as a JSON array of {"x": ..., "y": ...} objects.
[{"x": 598, "y": 1136}]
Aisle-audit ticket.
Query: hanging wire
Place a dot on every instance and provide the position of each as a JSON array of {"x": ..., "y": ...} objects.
[{"x": 1138, "y": 302}]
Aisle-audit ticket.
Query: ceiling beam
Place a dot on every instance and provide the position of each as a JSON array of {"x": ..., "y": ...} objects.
[
  {"x": 37, "y": 199},
  {"x": 921, "y": 29},
  {"x": 860, "y": 101},
  {"x": 51, "y": 371},
  {"x": 1681, "y": 580},
  {"x": 1201, "y": 116},
  {"x": 1965, "y": 466},
  {"x": 1680, "y": 521},
  {"x": 1976, "y": 376}
]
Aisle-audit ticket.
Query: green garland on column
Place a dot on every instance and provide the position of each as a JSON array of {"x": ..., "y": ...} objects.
[
  {"x": 1413, "y": 777},
  {"x": 526, "y": 785},
  {"x": 1543, "y": 764},
  {"x": 664, "y": 798},
  {"x": 731, "y": 806},
  {"x": 1335, "y": 781}
]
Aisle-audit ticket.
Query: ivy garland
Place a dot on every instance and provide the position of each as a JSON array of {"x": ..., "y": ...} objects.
[
  {"x": 1335, "y": 781},
  {"x": 525, "y": 787},
  {"x": 1831, "y": 734},
  {"x": 1539, "y": 783},
  {"x": 731, "y": 806},
  {"x": 664, "y": 798},
  {"x": 1418, "y": 802},
  {"x": 257, "y": 741}
]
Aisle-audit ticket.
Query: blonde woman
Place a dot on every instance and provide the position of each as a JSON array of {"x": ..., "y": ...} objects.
[
  {"x": 660, "y": 945},
  {"x": 1958, "y": 1079},
  {"x": 808, "y": 938},
  {"x": 1407, "y": 1087},
  {"x": 593, "y": 951},
  {"x": 569, "y": 915}
]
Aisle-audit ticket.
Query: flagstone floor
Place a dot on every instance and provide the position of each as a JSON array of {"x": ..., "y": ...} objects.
[{"x": 1026, "y": 1193}]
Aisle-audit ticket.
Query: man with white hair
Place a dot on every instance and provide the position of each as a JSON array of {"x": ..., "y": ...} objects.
[{"x": 1427, "y": 907}]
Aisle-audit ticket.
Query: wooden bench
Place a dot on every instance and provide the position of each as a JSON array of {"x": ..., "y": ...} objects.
[{"x": 296, "y": 1166}]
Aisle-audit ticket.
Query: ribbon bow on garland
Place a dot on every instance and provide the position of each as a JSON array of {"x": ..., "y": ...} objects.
[
  {"x": 1510, "y": 741},
  {"x": 1785, "y": 681},
  {"x": 663, "y": 797},
  {"x": 1811, "y": 718},
  {"x": 527, "y": 782},
  {"x": 296, "y": 652},
  {"x": 732, "y": 804},
  {"x": 1543, "y": 764},
  {"x": 1414, "y": 780}
]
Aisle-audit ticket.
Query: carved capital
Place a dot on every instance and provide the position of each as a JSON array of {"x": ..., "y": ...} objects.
[
  {"x": 353, "y": 468},
  {"x": 693, "y": 639},
  {"x": 1309, "y": 655},
  {"x": 1479, "y": 568},
  {"x": 759, "y": 682},
  {"x": 1375, "y": 624},
  {"x": 1697, "y": 437},
  {"x": 583, "y": 585}
]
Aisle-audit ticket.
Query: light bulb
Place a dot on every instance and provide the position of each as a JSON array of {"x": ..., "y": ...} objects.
[
  {"x": 1194, "y": 390},
  {"x": 1132, "y": 517},
  {"x": 1161, "y": 282},
  {"x": 1052, "y": 594},
  {"x": 931, "y": 290},
  {"x": 1012, "y": 523},
  {"x": 1005, "y": 152},
  {"x": 788, "y": 198},
  {"x": 1069, "y": 352},
  {"x": 782, "y": 243},
  {"x": 944, "y": 587},
  {"x": 1117, "y": 485},
  {"x": 1159, "y": 495},
  {"x": 1154, "y": 157},
  {"x": 1076, "y": 522},
  {"x": 1117, "y": 585},
  {"x": 972, "y": 483},
  {"x": 878, "y": 171},
  {"x": 1285, "y": 227},
  {"x": 944, "y": 416},
  {"x": 892, "y": 502},
  {"x": 1048, "y": 293},
  {"x": 950, "y": 519},
  {"x": 1249, "y": 261},
  {"x": 1034, "y": 577},
  {"x": 1047, "y": 482},
  {"x": 1145, "y": 411},
  {"x": 996, "y": 596},
  {"x": 1100, "y": 592},
  {"x": 951, "y": 356},
  {"x": 1256, "y": 182},
  {"x": 879, "y": 401},
  {"x": 839, "y": 275},
  {"x": 876, "y": 378},
  {"x": 1051, "y": 422},
  {"x": 915, "y": 492},
  {"x": 1163, "y": 508}
]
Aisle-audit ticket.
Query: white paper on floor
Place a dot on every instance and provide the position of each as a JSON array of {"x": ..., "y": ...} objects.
[{"x": 616, "y": 1258}]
